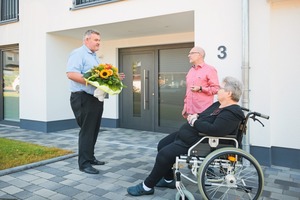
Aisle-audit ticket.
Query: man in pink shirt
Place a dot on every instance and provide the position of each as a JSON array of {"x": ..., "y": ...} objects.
[{"x": 201, "y": 84}]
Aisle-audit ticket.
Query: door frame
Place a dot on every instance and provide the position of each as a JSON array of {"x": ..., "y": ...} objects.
[
  {"x": 155, "y": 48},
  {"x": 6, "y": 48}
]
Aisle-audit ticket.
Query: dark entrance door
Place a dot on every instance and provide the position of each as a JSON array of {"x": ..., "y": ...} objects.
[
  {"x": 138, "y": 98},
  {"x": 155, "y": 80}
]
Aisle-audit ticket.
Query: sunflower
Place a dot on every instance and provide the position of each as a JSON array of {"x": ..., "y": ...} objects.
[{"x": 105, "y": 73}]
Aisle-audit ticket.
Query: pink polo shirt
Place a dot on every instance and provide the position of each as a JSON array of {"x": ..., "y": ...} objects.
[{"x": 207, "y": 77}]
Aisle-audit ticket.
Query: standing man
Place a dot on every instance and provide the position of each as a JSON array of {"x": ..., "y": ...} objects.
[
  {"x": 201, "y": 84},
  {"x": 86, "y": 108}
]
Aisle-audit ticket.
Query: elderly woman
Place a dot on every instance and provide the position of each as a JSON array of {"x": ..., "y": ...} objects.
[{"x": 220, "y": 119}]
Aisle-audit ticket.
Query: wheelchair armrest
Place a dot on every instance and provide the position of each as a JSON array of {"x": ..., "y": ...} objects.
[{"x": 213, "y": 142}]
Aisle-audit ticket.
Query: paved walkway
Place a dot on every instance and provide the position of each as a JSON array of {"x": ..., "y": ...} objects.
[{"x": 130, "y": 155}]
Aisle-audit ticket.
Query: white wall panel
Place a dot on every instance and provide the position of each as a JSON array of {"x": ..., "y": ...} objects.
[
  {"x": 285, "y": 70},
  {"x": 259, "y": 73}
]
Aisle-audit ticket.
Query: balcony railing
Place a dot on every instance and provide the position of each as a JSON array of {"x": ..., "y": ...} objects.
[
  {"x": 9, "y": 11},
  {"x": 77, "y": 4}
]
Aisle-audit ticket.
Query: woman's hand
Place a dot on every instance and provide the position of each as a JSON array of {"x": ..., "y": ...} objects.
[{"x": 192, "y": 118}]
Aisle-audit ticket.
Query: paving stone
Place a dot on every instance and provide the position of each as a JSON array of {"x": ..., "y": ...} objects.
[
  {"x": 39, "y": 181},
  {"x": 83, "y": 195},
  {"x": 70, "y": 183},
  {"x": 36, "y": 197},
  {"x": 32, "y": 188},
  {"x": 19, "y": 183},
  {"x": 28, "y": 177},
  {"x": 92, "y": 181},
  {"x": 23, "y": 194},
  {"x": 12, "y": 190},
  {"x": 282, "y": 196},
  {"x": 57, "y": 179},
  {"x": 74, "y": 177},
  {"x": 45, "y": 175},
  {"x": 45, "y": 193},
  {"x": 69, "y": 191},
  {"x": 60, "y": 197},
  {"x": 287, "y": 183},
  {"x": 3, "y": 184},
  {"x": 84, "y": 187},
  {"x": 6, "y": 178},
  {"x": 292, "y": 193},
  {"x": 113, "y": 196},
  {"x": 51, "y": 185}
]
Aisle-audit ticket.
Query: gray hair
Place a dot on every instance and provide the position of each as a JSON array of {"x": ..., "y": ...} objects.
[
  {"x": 234, "y": 86},
  {"x": 88, "y": 33}
]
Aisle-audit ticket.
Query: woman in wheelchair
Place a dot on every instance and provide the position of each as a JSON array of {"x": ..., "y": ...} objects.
[{"x": 220, "y": 119}]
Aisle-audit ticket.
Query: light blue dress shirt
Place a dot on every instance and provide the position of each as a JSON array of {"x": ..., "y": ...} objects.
[{"x": 81, "y": 60}]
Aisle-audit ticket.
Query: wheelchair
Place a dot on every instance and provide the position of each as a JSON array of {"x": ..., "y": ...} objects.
[{"x": 220, "y": 167}]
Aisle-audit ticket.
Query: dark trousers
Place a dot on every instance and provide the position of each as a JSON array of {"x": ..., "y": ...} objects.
[
  {"x": 88, "y": 113},
  {"x": 166, "y": 156}
]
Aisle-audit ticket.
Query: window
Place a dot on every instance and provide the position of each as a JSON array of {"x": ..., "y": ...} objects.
[
  {"x": 77, "y": 4},
  {"x": 9, "y": 11}
]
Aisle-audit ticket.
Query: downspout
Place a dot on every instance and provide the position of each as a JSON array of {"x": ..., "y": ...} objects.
[{"x": 245, "y": 65}]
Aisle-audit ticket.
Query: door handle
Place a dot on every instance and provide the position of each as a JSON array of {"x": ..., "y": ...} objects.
[{"x": 146, "y": 89}]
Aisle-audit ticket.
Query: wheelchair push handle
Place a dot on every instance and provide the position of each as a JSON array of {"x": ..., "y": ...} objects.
[
  {"x": 255, "y": 113},
  {"x": 261, "y": 115}
]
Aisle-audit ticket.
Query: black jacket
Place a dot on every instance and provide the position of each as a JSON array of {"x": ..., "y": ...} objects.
[{"x": 214, "y": 121}]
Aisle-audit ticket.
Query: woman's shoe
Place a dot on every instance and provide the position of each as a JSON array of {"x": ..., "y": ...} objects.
[
  {"x": 163, "y": 183},
  {"x": 138, "y": 190}
]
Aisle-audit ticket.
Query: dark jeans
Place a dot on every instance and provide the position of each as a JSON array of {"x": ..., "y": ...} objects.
[
  {"x": 88, "y": 113},
  {"x": 166, "y": 156}
]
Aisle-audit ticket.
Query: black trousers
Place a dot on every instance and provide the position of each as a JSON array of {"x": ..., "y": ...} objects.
[
  {"x": 166, "y": 156},
  {"x": 88, "y": 112}
]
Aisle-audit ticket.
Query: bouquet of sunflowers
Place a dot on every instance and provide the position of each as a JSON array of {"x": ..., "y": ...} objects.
[{"x": 106, "y": 78}]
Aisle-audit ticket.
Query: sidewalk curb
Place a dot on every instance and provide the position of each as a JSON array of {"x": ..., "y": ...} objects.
[{"x": 36, "y": 164}]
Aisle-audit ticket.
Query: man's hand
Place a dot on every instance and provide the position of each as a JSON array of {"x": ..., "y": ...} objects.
[
  {"x": 122, "y": 76},
  {"x": 196, "y": 88},
  {"x": 184, "y": 114}
]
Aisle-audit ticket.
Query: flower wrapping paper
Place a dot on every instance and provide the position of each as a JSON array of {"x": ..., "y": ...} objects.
[{"x": 105, "y": 88}]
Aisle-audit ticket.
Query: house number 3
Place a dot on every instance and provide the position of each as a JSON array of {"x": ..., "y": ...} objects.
[{"x": 223, "y": 53}]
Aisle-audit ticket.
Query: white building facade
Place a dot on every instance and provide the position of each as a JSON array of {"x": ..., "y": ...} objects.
[{"x": 257, "y": 41}]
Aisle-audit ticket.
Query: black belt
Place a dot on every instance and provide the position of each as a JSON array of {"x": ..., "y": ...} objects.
[
  {"x": 78, "y": 92},
  {"x": 81, "y": 92}
]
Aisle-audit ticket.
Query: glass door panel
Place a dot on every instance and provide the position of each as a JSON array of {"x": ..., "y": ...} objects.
[
  {"x": 11, "y": 85},
  {"x": 173, "y": 67}
]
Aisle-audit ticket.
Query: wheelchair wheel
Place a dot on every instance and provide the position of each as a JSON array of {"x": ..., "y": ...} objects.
[
  {"x": 230, "y": 173},
  {"x": 187, "y": 195}
]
